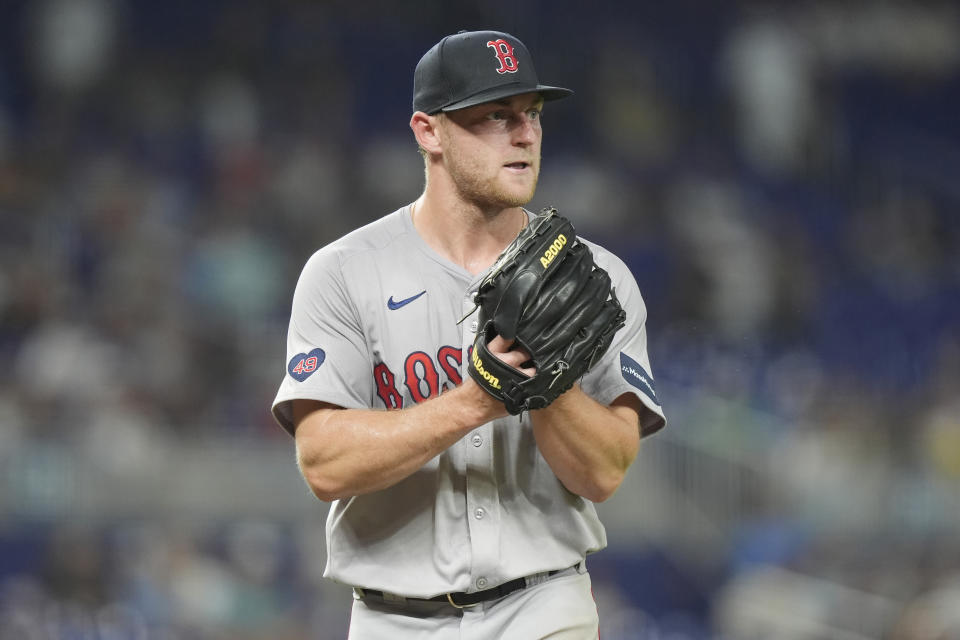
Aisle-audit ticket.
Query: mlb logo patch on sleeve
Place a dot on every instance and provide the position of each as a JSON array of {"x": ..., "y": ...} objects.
[
  {"x": 638, "y": 377},
  {"x": 303, "y": 364}
]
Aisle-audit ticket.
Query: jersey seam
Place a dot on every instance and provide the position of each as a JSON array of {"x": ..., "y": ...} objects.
[{"x": 354, "y": 309}]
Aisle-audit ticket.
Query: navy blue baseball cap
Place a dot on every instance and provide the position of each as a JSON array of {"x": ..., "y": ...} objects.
[{"x": 473, "y": 67}]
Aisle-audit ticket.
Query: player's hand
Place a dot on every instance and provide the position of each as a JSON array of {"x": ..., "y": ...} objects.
[
  {"x": 489, "y": 407},
  {"x": 511, "y": 354}
]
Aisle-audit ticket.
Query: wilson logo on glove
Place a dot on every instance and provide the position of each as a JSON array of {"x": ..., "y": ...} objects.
[
  {"x": 553, "y": 250},
  {"x": 488, "y": 377}
]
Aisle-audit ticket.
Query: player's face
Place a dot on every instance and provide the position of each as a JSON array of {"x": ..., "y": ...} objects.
[{"x": 492, "y": 150}]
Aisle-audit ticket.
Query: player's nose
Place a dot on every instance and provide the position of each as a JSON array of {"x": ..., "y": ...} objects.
[{"x": 526, "y": 131}]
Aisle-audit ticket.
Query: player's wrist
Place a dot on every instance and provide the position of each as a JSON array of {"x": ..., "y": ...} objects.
[{"x": 476, "y": 406}]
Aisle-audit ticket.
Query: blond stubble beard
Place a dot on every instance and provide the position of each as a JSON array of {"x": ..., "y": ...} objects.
[{"x": 472, "y": 185}]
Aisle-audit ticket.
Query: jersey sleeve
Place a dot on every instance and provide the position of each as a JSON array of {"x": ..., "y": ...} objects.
[
  {"x": 625, "y": 367},
  {"x": 327, "y": 358}
]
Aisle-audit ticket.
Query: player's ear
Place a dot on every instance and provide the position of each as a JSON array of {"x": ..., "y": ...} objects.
[{"x": 426, "y": 129}]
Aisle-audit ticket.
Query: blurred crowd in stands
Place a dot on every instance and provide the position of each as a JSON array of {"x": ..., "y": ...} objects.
[{"x": 781, "y": 177}]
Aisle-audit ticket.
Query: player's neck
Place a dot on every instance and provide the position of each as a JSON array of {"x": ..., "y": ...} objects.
[{"x": 464, "y": 233}]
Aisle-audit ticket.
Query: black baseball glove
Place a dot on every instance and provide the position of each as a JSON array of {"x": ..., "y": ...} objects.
[{"x": 545, "y": 292}]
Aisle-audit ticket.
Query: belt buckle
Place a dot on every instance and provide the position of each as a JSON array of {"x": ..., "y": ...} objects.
[{"x": 459, "y": 606}]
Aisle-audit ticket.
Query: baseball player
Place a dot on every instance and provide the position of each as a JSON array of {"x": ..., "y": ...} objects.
[{"x": 449, "y": 517}]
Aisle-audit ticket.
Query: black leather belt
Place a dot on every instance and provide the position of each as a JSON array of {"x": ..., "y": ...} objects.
[{"x": 463, "y": 599}]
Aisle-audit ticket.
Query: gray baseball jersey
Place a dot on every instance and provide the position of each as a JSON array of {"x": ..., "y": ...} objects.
[{"x": 374, "y": 325}]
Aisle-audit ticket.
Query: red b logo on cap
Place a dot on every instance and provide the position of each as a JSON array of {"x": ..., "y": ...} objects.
[{"x": 504, "y": 53}]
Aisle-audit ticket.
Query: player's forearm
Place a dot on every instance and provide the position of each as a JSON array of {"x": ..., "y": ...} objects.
[
  {"x": 588, "y": 446},
  {"x": 348, "y": 452}
]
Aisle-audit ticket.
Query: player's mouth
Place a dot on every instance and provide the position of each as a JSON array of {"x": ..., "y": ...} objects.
[{"x": 518, "y": 166}]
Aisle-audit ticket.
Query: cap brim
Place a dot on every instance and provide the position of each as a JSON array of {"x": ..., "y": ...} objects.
[{"x": 506, "y": 91}]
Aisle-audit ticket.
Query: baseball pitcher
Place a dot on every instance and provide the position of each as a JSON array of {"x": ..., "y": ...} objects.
[{"x": 465, "y": 378}]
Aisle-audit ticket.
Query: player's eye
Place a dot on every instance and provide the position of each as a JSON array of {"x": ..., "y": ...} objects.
[
  {"x": 495, "y": 115},
  {"x": 535, "y": 114}
]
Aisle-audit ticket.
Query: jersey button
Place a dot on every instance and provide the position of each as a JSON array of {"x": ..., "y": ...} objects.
[
  {"x": 477, "y": 440},
  {"x": 478, "y": 513},
  {"x": 481, "y": 583},
  {"x": 474, "y": 326}
]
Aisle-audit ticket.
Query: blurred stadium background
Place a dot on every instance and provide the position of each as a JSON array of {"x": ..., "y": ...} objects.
[{"x": 782, "y": 177}]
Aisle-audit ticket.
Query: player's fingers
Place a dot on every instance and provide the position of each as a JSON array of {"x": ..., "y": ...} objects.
[
  {"x": 499, "y": 345},
  {"x": 525, "y": 359},
  {"x": 527, "y": 371},
  {"x": 516, "y": 359},
  {"x": 503, "y": 349}
]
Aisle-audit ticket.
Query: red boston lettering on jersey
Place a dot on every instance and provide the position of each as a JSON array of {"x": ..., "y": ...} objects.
[
  {"x": 449, "y": 359},
  {"x": 386, "y": 388},
  {"x": 421, "y": 376},
  {"x": 504, "y": 53}
]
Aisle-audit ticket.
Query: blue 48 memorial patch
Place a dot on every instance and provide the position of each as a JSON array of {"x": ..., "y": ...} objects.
[{"x": 637, "y": 376}]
